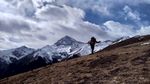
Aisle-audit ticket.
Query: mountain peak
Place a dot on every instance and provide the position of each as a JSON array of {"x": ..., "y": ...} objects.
[
  {"x": 22, "y": 51},
  {"x": 23, "y": 47},
  {"x": 67, "y": 37},
  {"x": 66, "y": 40}
]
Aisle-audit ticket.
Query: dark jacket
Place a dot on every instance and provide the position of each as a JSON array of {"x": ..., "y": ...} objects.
[{"x": 93, "y": 41}]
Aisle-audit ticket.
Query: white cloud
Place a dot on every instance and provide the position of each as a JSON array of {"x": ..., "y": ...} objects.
[
  {"x": 100, "y": 6},
  {"x": 130, "y": 14},
  {"x": 102, "y": 9},
  {"x": 117, "y": 29},
  {"x": 7, "y": 8},
  {"x": 143, "y": 30},
  {"x": 55, "y": 13}
]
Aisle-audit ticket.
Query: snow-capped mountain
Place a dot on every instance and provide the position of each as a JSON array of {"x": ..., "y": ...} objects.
[
  {"x": 67, "y": 41},
  {"x": 15, "y": 54},
  {"x": 8, "y": 57},
  {"x": 66, "y": 48},
  {"x": 62, "y": 49}
]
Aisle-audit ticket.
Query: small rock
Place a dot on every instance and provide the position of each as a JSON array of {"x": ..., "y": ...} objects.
[{"x": 69, "y": 74}]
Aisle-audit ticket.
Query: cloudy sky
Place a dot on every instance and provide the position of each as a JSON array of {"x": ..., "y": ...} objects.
[{"x": 36, "y": 23}]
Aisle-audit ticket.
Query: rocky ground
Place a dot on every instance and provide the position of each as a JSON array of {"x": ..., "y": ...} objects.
[{"x": 125, "y": 63}]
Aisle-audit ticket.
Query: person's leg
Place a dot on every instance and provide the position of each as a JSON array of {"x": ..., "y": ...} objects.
[{"x": 92, "y": 49}]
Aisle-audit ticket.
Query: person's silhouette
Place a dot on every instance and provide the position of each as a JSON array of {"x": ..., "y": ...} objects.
[{"x": 92, "y": 43}]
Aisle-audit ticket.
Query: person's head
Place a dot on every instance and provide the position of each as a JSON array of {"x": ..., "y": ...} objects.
[{"x": 92, "y": 37}]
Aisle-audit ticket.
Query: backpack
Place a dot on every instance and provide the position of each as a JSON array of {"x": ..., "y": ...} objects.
[{"x": 93, "y": 40}]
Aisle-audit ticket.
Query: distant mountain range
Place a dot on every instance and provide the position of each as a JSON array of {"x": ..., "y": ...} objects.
[{"x": 22, "y": 59}]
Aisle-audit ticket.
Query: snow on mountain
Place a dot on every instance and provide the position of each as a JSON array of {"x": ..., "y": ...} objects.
[
  {"x": 85, "y": 49},
  {"x": 67, "y": 47},
  {"x": 67, "y": 41},
  {"x": 60, "y": 50},
  {"x": 64, "y": 48},
  {"x": 15, "y": 54},
  {"x": 45, "y": 52},
  {"x": 120, "y": 39}
]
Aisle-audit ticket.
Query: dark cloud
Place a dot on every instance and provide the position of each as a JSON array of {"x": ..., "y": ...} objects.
[
  {"x": 13, "y": 25},
  {"x": 2, "y": 39},
  {"x": 16, "y": 40},
  {"x": 42, "y": 37}
]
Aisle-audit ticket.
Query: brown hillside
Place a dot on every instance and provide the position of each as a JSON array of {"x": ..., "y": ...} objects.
[{"x": 125, "y": 63}]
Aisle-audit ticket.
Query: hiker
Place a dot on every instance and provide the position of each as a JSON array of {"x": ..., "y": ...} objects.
[{"x": 92, "y": 43}]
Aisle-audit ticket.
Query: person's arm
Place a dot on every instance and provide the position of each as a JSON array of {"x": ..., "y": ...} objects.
[
  {"x": 87, "y": 42},
  {"x": 98, "y": 41}
]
